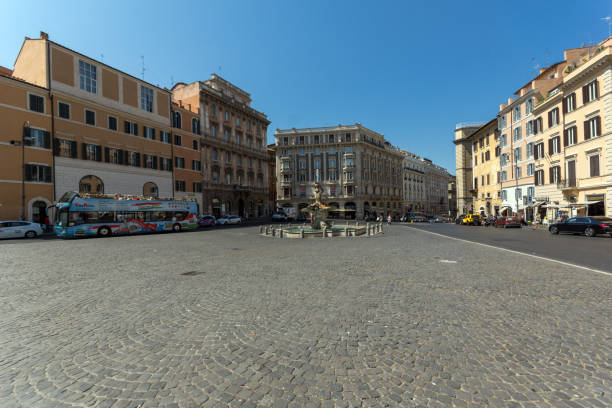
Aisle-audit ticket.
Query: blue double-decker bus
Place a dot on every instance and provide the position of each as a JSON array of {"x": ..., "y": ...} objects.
[{"x": 90, "y": 215}]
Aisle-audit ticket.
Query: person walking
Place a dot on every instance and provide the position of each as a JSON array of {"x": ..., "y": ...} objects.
[{"x": 389, "y": 219}]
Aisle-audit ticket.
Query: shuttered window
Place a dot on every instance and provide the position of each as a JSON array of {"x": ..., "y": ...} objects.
[{"x": 594, "y": 165}]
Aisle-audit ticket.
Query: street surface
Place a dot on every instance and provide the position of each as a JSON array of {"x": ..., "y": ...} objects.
[{"x": 228, "y": 318}]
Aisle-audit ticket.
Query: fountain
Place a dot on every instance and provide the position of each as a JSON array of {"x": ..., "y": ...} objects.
[{"x": 319, "y": 225}]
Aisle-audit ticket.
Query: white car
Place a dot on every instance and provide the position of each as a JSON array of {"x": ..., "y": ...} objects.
[
  {"x": 19, "y": 229},
  {"x": 229, "y": 219}
]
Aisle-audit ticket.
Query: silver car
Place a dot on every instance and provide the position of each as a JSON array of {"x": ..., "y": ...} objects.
[{"x": 19, "y": 229}]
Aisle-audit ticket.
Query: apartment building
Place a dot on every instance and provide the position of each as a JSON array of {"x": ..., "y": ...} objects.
[
  {"x": 464, "y": 183},
  {"x": 187, "y": 152},
  {"x": 452, "y": 196},
  {"x": 106, "y": 130},
  {"x": 272, "y": 176},
  {"x": 414, "y": 184},
  {"x": 26, "y": 168},
  {"x": 517, "y": 127},
  {"x": 360, "y": 171},
  {"x": 572, "y": 153},
  {"x": 436, "y": 189},
  {"x": 235, "y": 158}
]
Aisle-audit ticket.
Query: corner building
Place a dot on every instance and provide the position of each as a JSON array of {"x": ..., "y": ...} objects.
[
  {"x": 234, "y": 154},
  {"x": 360, "y": 171}
]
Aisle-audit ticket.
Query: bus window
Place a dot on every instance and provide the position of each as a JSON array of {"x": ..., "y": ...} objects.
[
  {"x": 106, "y": 217},
  {"x": 91, "y": 217},
  {"x": 180, "y": 216}
]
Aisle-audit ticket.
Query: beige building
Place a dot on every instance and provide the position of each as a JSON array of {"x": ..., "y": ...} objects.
[
  {"x": 359, "y": 170},
  {"x": 436, "y": 189},
  {"x": 414, "y": 184},
  {"x": 464, "y": 184},
  {"x": 486, "y": 170},
  {"x": 235, "y": 158},
  {"x": 573, "y": 153}
]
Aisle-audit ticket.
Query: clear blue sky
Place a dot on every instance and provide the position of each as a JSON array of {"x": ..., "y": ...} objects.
[{"x": 410, "y": 70}]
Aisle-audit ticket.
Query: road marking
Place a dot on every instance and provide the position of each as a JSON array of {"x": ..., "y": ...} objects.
[
  {"x": 516, "y": 252},
  {"x": 447, "y": 261}
]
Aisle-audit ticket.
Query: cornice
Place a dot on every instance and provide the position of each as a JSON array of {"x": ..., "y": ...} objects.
[{"x": 581, "y": 72}]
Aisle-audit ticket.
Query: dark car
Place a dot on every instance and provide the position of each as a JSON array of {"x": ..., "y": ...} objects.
[
  {"x": 207, "y": 221},
  {"x": 507, "y": 222},
  {"x": 588, "y": 226},
  {"x": 459, "y": 219}
]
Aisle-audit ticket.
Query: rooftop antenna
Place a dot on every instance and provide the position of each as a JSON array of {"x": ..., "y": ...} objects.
[
  {"x": 143, "y": 66},
  {"x": 609, "y": 20},
  {"x": 536, "y": 66}
]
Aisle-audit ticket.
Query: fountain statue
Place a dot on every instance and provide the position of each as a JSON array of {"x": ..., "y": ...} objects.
[{"x": 318, "y": 210}]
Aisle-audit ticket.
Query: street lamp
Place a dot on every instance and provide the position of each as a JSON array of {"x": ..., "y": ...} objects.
[{"x": 24, "y": 138}]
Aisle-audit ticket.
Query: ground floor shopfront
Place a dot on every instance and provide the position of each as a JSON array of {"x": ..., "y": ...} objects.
[
  {"x": 242, "y": 202},
  {"x": 555, "y": 204}
]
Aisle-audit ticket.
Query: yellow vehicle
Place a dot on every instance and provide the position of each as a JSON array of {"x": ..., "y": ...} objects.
[{"x": 472, "y": 219}]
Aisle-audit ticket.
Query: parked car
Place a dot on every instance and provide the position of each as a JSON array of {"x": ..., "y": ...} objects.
[
  {"x": 507, "y": 222},
  {"x": 302, "y": 218},
  {"x": 19, "y": 229},
  {"x": 279, "y": 217},
  {"x": 472, "y": 219},
  {"x": 589, "y": 226},
  {"x": 459, "y": 219},
  {"x": 229, "y": 219},
  {"x": 419, "y": 218},
  {"x": 207, "y": 221}
]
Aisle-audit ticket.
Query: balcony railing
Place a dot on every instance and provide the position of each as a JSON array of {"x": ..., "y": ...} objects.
[{"x": 584, "y": 183}]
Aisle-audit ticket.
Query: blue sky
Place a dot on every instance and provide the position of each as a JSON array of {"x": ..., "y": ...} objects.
[{"x": 409, "y": 70}]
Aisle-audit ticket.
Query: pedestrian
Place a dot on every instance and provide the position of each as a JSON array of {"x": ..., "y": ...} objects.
[
  {"x": 46, "y": 221},
  {"x": 389, "y": 219}
]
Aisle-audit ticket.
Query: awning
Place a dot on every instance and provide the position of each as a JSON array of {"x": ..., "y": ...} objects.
[
  {"x": 537, "y": 204},
  {"x": 506, "y": 207},
  {"x": 584, "y": 204}
]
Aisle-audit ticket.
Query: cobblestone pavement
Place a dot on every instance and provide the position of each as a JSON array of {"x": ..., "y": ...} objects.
[{"x": 229, "y": 318}]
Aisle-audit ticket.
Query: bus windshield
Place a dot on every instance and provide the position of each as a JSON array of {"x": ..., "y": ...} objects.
[
  {"x": 67, "y": 197},
  {"x": 61, "y": 218}
]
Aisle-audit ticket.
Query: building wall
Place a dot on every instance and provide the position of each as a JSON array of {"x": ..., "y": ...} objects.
[
  {"x": 15, "y": 115},
  {"x": 463, "y": 161},
  {"x": 485, "y": 170}
]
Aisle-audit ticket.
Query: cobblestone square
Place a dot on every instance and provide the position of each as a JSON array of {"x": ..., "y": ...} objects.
[{"x": 225, "y": 317}]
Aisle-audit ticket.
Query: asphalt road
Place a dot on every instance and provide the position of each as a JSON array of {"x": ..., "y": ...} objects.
[
  {"x": 593, "y": 252},
  {"x": 227, "y": 318}
]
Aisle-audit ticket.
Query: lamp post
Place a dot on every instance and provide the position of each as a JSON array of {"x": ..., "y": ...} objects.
[{"x": 24, "y": 138}]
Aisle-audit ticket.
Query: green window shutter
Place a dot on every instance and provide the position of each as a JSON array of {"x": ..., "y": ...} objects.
[
  {"x": 119, "y": 156},
  {"x": 107, "y": 155},
  {"x": 84, "y": 151}
]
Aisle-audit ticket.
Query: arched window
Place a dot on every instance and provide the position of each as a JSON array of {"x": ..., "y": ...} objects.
[
  {"x": 150, "y": 189},
  {"x": 177, "y": 120},
  {"x": 195, "y": 126},
  {"x": 91, "y": 184}
]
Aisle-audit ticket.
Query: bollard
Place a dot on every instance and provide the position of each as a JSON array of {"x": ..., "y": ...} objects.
[
  {"x": 346, "y": 231},
  {"x": 301, "y": 233},
  {"x": 261, "y": 230},
  {"x": 273, "y": 232}
]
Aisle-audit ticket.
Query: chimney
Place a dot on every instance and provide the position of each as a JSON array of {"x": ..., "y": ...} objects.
[
  {"x": 44, "y": 36},
  {"x": 510, "y": 100},
  {"x": 502, "y": 107}
]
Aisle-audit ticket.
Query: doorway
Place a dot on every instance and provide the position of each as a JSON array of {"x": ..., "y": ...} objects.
[{"x": 39, "y": 212}]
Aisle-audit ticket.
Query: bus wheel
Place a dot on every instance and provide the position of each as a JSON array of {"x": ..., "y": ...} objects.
[
  {"x": 176, "y": 228},
  {"x": 104, "y": 232}
]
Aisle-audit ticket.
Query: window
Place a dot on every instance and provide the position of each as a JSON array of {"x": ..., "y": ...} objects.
[
  {"x": 530, "y": 168},
  {"x": 213, "y": 111},
  {"x": 149, "y": 162},
  {"x": 179, "y": 162},
  {"x": 553, "y": 117},
  {"x": 149, "y": 133},
  {"x": 237, "y": 121},
  {"x": 215, "y": 177},
  {"x": 530, "y": 193},
  {"x": 569, "y": 136},
  {"x": 239, "y": 138},
  {"x": 569, "y": 103},
  {"x": 150, "y": 189},
  {"x": 213, "y": 130},
  {"x": 227, "y": 116},
  {"x": 164, "y": 136},
  {"x": 250, "y": 163},
  {"x": 503, "y": 159},
  {"x": 503, "y": 141},
  {"x": 347, "y": 137},
  {"x": 555, "y": 174},
  {"x": 240, "y": 161},
  {"x": 475, "y": 147},
  {"x": 114, "y": 156},
  {"x": 228, "y": 178},
  {"x": 592, "y": 128},
  {"x": 590, "y": 92},
  {"x": 90, "y": 117},
  {"x": 35, "y": 172},
  {"x": 63, "y": 110},
  {"x": 37, "y": 103},
  {"x": 177, "y": 120},
  {"x": 504, "y": 195},
  {"x": 215, "y": 155},
  {"x": 518, "y": 172},
  {"x": 349, "y": 175},
  {"x": 196, "y": 165},
  {"x": 518, "y": 193},
  {"x": 112, "y": 123},
  {"x": 133, "y": 159},
  {"x": 332, "y": 163},
  {"x": 88, "y": 78},
  {"x": 330, "y": 138},
  {"x": 130, "y": 128},
  {"x": 228, "y": 157},
  {"x": 516, "y": 113},
  {"x": 226, "y": 134},
  {"x": 475, "y": 160},
  {"x": 316, "y": 139},
  {"x": 146, "y": 98},
  {"x": 539, "y": 151},
  {"x": 539, "y": 177},
  {"x": 529, "y": 150},
  {"x": 66, "y": 148},
  {"x": 504, "y": 175},
  {"x": 92, "y": 152},
  {"x": 517, "y": 134},
  {"x": 517, "y": 154},
  {"x": 197, "y": 187},
  {"x": 39, "y": 138},
  {"x": 594, "y": 166},
  {"x": 285, "y": 141},
  {"x": 250, "y": 143},
  {"x": 529, "y": 128},
  {"x": 554, "y": 145},
  {"x": 165, "y": 164},
  {"x": 195, "y": 126},
  {"x": 195, "y": 144},
  {"x": 178, "y": 140},
  {"x": 537, "y": 126},
  {"x": 179, "y": 185},
  {"x": 528, "y": 106},
  {"x": 501, "y": 122}
]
